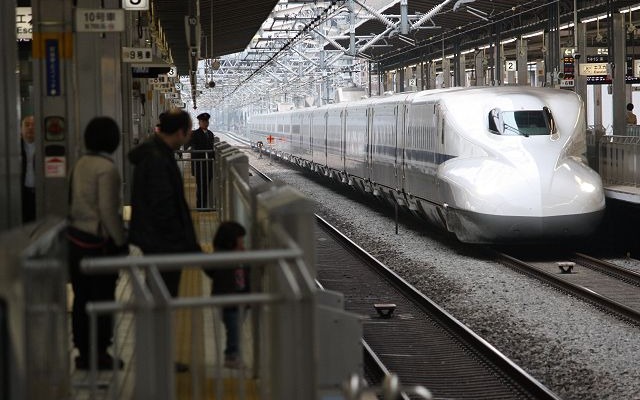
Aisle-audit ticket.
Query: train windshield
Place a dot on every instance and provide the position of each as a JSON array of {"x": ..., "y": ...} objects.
[{"x": 525, "y": 122}]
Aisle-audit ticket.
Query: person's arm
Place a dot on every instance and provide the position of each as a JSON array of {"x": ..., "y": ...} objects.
[{"x": 109, "y": 205}]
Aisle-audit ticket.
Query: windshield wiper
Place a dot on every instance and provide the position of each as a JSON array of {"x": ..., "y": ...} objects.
[{"x": 516, "y": 130}]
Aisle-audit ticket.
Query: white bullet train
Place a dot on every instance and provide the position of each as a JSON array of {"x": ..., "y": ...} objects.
[{"x": 490, "y": 164}]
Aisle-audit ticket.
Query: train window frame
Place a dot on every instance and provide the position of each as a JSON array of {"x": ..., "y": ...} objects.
[{"x": 506, "y": 123}]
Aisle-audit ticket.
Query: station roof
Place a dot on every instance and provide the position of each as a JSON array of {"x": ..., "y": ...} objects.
[
  {"x": 466, "y": 22},
  {"x": 234, "y": 25}
]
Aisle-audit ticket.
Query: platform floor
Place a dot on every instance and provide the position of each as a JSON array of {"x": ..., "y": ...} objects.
[{"x": 630, "y": 194}]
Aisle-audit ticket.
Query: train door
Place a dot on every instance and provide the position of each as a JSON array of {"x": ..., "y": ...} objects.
[
  {"x": 399, "y": 165},
  {"x": 343, "y": 140},
  {"x": 369, "y": 147},
  {"x": 326, "y": 139},
  {"x": 309, "y": 149}
]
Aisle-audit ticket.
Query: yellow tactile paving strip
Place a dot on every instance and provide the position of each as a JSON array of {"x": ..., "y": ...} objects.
[{"x": 190, "y": 341}]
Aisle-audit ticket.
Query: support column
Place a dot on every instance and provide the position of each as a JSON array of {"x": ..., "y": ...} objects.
[
  {"x": 10, "y": 196},
  {"x": 619, "y": 85},
  {"x": 400, "y": 79},
  {"x": 461, "y": 78},
  {"x": 480, "y": 72},
  {"x": 522, "y": 60},
  {"x": 498, "y": 64},
  {"x": 446, "y": 72},
  {"x": 431, "y": 71},
  {"x": 57, "y": 126}
]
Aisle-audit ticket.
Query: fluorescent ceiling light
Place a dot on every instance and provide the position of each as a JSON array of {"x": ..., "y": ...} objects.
[
  {"x": 603, "y": 16},
  {"x": 508, "y": 41},
  {"x": 530, "y": 35},
  {"x": 633, "y": 8}
]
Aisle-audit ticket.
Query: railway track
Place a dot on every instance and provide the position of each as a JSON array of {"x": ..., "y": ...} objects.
[
  {"x": 607, "y": 286},
  {"x": 418, "y": 340}
]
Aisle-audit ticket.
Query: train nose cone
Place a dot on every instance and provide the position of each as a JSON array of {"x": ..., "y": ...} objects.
[{"x": 504, "y": 202}]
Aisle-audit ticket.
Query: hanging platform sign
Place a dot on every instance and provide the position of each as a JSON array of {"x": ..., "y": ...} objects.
[
  {"x": 99, "y": 20},
  {"x": 592, "y": 69},
  {"x": 137, "y": 54},
  {"x": 24, "y": 25},
  {"x": 135, "y": 5}
]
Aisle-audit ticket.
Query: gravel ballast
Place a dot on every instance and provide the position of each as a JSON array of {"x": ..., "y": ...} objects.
[{"x": 576, "y": 350}]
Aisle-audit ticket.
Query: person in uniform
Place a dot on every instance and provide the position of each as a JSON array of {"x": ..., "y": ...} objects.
[{"x": 202, "y": 160}]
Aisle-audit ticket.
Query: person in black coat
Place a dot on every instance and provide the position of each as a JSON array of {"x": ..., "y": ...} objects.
[
  {"x": 202, "y": 167},
  {"x": 27, "y": 176},
  {"x": 160, "y": 217}
]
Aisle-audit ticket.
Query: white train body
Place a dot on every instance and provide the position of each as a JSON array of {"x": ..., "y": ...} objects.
[{"x": 499, "y": 164}]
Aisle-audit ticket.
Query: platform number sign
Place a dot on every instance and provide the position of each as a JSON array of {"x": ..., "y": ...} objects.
[
  {"x": 412, "y": 82},
  {"x": 136, "y": 5},
  {"x": 510, "y": 66},
  {"x": 173, "y": 72}
]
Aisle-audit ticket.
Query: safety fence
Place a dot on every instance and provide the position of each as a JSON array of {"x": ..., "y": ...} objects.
[
  {"x": 619, "y": 160},
  {"x": 284, "y": 349}
]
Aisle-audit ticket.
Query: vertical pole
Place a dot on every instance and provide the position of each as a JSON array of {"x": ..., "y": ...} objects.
[
  {"x": 581, "y": 80},
  {"x": 619, "y": 68},
  {"x": 521, "y": 62},
  {"x": 10, "y": 196}
]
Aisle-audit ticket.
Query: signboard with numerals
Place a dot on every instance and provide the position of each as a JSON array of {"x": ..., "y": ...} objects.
[
  {"x": 510, "y": 66},
  {"x": 136, "y": 5},
  {"x": 99, "y": 20}
]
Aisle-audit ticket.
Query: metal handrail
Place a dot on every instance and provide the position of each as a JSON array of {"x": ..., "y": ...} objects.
[{"x": 172, "y": 262}]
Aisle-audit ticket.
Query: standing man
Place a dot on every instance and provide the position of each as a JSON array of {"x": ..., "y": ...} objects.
[
  {"x": 160, "y": 217},
  {"x": 27, "y": 178},
  {"x": 202, "y": 164}
]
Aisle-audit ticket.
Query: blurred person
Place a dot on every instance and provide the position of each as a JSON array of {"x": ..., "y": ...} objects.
[
  {"x": 230, "y": 237},
  {"x": 160, "y": 217},
  {"x": 202, "y": 162},
  {"x": 95, "y": 229},
  {"x": 27, "y": 177},
  {"x": 631, "y": 117}
]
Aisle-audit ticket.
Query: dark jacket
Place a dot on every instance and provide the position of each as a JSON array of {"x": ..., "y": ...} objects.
[
  {"x": 23, "y": 162},
  {"x": 160, "y": 217},
  {"x": 229, "y": 280},
  {"x": 201, "y": 141}
]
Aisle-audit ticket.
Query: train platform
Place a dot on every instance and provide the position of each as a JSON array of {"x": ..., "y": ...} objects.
[
  {"x": 283, "y": 346},
  {"x": 629, "y": 194}
]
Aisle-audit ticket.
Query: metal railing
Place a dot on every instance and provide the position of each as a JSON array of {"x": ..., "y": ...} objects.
[
  {"x": 282, "y": 318},
  {"x": 619, "y": 160},
  {"x": 281, "y": 306},
  {"x": 199, "y": 178}
]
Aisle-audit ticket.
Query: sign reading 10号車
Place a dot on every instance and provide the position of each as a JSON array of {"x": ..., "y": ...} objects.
[{"x": 99, "y": 20}]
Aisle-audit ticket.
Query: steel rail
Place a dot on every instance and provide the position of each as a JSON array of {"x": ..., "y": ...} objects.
[
  {"x": 454, "y": 327},
  {"x": 586, "y": 294}
]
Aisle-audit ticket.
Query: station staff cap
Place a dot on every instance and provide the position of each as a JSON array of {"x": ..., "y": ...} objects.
[{"x": 204, "y": 116}]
